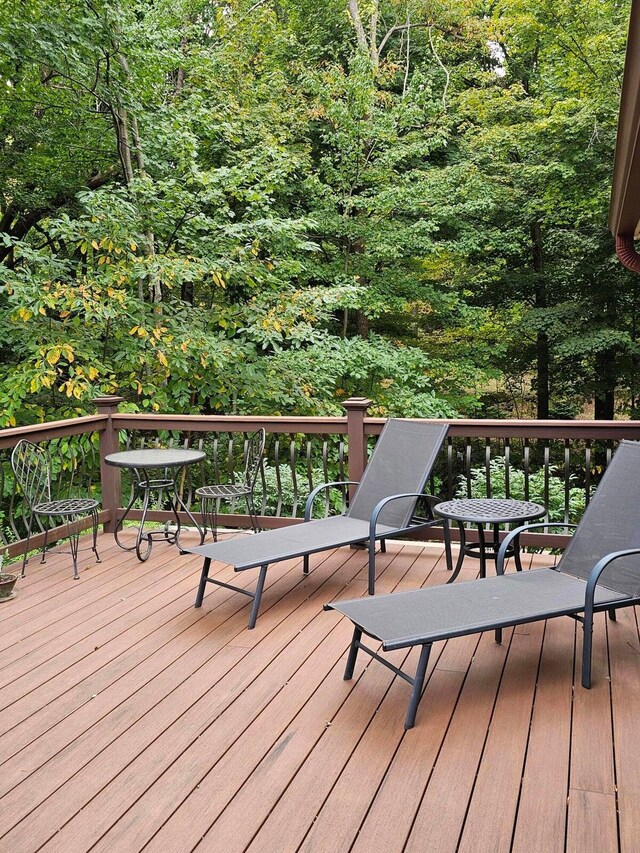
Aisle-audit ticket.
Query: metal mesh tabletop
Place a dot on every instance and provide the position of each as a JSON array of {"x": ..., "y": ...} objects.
[
  {"x": 489, "y": 510},
  {"x": 155, "y": 458}
]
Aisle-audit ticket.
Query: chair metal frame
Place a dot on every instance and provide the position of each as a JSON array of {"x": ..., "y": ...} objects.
[
  {"x": 31, "y": 465},
  {"x": 422, "y": 617},
  {"x": 210, "y": 496}
]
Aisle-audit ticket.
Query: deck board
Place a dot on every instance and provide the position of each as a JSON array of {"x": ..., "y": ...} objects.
[{"x": 133, "y": 721}]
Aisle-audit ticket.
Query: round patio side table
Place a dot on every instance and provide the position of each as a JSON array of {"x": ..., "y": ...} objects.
[
  {"x": 154, "y": 470},
  {"x": 483, "y": 511}
]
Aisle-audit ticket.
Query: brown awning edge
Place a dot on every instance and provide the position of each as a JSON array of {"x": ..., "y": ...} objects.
[{"x": 624, "y": 210}]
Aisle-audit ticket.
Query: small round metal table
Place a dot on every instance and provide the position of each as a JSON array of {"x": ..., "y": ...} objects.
[
  {"x": 166, "y": 464},
  {"x": 482, "y": 511}
]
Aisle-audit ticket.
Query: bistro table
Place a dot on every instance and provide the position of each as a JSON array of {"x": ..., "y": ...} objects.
[
  {"x": 165, "y": 465},
  {"x": 481, "y": 511}
]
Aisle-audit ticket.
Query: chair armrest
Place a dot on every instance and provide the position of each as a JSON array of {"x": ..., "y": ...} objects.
[
  {"x": 381, "y": 505},
  {"x": 308, "y": 507},
  {"x": 596, "y": 571},
  {"x": 508, "y": 539}
]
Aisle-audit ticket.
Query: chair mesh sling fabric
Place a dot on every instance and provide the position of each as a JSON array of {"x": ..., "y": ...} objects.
[
  {"x": 599, "y": 570},
  {"x": 384, "y": 505}
]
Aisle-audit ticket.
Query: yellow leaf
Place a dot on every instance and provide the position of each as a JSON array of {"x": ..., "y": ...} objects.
[
  {"x": 54, "y": 356},
  {"x": 142, "y": 333},
  {"x": 133, "y": 246},
  {"x": 92, "y": 373},
  {"x": 133, "y": 331},
  {"x": 95, "y": 244},
  {"x": 42, "y": 310},
  {"x": 162, "y": 358}
]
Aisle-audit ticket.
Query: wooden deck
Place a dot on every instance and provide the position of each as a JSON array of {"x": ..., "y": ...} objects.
[{"x": 130, "y": 720}]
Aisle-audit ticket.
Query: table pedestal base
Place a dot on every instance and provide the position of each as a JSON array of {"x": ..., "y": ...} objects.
[{"x": 143, "y": 487}]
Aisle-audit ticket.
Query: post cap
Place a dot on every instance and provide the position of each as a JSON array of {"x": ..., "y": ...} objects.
[
  {"x": 357, "y": 403},
  {"x": 108, "y": 401}
]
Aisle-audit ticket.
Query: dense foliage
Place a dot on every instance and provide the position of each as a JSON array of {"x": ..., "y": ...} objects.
[{"x": 270, "y": 206}]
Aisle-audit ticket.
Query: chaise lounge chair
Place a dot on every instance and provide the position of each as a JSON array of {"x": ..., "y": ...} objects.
[
  {"x": 384, "y": 505},
  {"x": 606, "y": 540}
]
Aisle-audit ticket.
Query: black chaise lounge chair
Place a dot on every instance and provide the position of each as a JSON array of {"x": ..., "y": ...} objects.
[
  {"x": 384, "y": 505},
  {"x": 606, "y": 540}
]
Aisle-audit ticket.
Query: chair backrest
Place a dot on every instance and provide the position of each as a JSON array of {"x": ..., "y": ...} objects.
[
  {"x": 401, "y": 462},
  {"x": 255, "y": 449},
  {"x": 611, "y": 523},
  {"x": 31, "y": 468}
]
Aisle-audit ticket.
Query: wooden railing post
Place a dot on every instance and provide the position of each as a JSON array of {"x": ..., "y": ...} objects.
[
  {"x": 356, "y": 412},
  {"x": 109, "y": 476}
]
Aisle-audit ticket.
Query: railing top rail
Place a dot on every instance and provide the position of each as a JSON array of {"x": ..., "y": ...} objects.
[
  {"x": 495, "y": 428},
  {"x": 53, "y": 429},
  {"x": 482, "y": 428},
  {"x": 520, "y": 428},
  {"x": 230, "y": 423}
]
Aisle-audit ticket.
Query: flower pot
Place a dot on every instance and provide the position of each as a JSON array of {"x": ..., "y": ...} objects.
[{"x": 7, "y": 582}]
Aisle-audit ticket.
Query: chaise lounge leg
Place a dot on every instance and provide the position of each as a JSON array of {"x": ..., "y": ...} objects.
[
  {"x": 372, "y": 566},
  {"x": 612, "y": 614},
  {"x": 418, "y": 681},
  {"x": 305, "y": 564},
  {"x": 498, "y": 635},
  {"x": 353, "y": 654},
  {"x": 587, "y": 642},
  {"x": 258, "y": 596},
  {"x": 203, "y": 581}
]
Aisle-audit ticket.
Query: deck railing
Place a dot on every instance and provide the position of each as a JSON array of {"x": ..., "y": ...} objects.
[{"x": 557, "y": 463}]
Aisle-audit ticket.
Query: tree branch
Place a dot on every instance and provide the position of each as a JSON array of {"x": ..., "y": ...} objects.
[
  {"x": 444, "y": 68},
  {"x": 354, "y": 12}
]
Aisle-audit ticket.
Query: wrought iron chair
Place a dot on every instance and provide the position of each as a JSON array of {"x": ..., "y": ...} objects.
[
  {"x": 32, "y": 469},
  {"x": 210, "y": 496}
]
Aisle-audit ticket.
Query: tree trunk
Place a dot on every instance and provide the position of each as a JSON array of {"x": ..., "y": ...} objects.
[
  {"x": 362, "y": 322},
  {"x": 542, "y": 340},
  {"x": 605, "y": 392}
]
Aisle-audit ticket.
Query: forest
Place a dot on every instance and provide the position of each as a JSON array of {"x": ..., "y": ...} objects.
[{"x": 268, "y": 206}]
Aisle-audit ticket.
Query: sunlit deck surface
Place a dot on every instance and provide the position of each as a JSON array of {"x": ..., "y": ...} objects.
[{"x": 133, "y": 721}]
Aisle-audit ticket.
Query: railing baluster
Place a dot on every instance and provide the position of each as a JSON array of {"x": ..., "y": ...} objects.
[
  {"x": 276, "y": 451},
  {"x": 487, "y": 466},
  {"x": 567, "y": 478},
  {"x": 342, "y": 469},
  {"x": 507, "y": 468},
  {"x": 294, "y": 478},
  {"x": 526, "y": 450},
  {"x": 546, "y": 476},
  {"x": 309, "y": 458}
]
